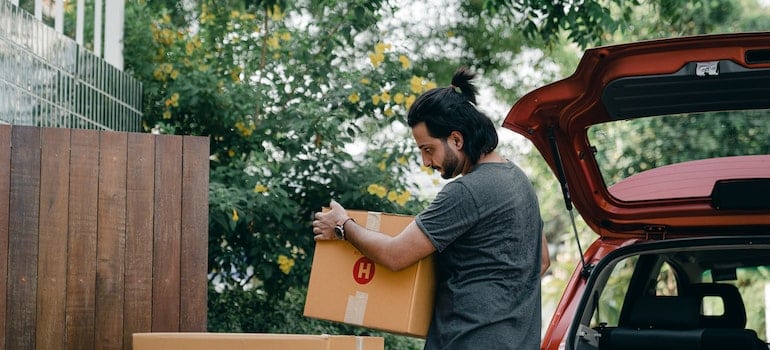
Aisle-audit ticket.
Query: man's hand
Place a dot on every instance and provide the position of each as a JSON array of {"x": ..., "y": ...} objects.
[{"x": 324, "y": 222}]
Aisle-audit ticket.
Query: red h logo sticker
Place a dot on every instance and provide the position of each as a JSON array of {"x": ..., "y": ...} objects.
[{"x": 363, "y": 270}]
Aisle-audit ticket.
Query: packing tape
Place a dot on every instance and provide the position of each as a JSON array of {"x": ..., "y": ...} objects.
[
  {"x": 373, "y": 219},
  {"x": 354, "y": 312},
  {"x": 359, "y": 343}
]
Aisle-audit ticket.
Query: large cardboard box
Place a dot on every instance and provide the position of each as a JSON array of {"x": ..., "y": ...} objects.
[
  {"x": 253, "y": 341},
  {"x": 345, "y": 286}
]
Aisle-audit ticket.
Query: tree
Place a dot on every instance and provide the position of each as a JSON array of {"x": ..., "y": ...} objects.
[
  {"x": 304, "y": 101},
  {"x": 282, "y": 92}
]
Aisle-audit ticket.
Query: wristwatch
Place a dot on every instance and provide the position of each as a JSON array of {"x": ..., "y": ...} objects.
[{"x": 339, "y": 230}]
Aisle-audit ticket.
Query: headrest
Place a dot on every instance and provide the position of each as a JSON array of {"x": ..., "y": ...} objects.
[
  {"x": 734, "y": 315},
  {"x": 665, "y": 312}
]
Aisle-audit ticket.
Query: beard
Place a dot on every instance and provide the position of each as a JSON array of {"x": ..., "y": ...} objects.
[{"x": 450, "y": 164}]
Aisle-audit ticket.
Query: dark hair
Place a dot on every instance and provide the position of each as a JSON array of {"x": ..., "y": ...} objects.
[{"x": 453, "y": 108}]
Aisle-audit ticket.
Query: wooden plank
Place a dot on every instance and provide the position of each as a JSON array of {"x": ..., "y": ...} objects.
[
  {"x": 5, "y": 188},
  {"x": 195, "y": 200},
  {"x": 23, "y": 237},
  {"x": 52, "y": 246},
  {"x": 167, "y": 234},
  {"x": 140, "y": 184},
  {"x": 111, "y": 245},
  {"x": 81, "y": 263}
]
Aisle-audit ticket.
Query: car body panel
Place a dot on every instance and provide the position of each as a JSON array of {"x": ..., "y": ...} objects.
[
  {"x": 563, "y": 111},
  {"x": 556, "y": 333},
  {"x": 671, "y": 203}
]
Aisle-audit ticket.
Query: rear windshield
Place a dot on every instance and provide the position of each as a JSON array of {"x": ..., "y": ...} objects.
[{"x": 681, "y": 155}]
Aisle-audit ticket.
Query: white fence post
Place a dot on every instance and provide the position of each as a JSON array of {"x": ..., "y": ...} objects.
[
  {"x": 113, "y": 32},
  {"x": 59, "y": 16},
  {"x": 80, "y": 25},
  {"x": 98, "y": 28}
]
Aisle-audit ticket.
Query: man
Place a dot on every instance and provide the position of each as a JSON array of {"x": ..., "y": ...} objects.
[{"x": 484, "y": 228}]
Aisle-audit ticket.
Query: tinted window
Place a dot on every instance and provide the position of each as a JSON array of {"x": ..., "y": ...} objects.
[
  {"x": 627, "y": 148},
  {"x": 612, "y": 296},
  {"x": 754, "y": 285}
]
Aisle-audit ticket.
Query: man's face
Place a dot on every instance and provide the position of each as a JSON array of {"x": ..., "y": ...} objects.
[{"x": 438, "y": 153}]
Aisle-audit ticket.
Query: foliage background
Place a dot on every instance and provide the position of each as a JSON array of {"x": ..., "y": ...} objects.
[{"x": 304, "y": 101}]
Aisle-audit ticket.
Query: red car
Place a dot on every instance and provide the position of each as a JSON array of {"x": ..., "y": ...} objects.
[{"x": 663, "y": 147}]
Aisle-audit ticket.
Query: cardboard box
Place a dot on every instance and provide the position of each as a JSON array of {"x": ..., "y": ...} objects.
[
  {"x": 252, "y": 341},
  {"x": 347, "y": 287}
]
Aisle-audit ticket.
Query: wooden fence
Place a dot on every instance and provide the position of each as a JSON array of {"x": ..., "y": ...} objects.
[{"x": 102, "y": 234}]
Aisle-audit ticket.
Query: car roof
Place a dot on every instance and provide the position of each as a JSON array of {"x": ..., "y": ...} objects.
[{"x": 702, "y": 85}]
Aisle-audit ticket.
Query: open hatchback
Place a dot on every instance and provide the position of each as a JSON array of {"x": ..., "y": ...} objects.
[{"x": 663, "y": 147}]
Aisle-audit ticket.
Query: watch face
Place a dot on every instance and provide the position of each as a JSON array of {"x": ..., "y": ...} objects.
[{"x": 339, "y": 232}]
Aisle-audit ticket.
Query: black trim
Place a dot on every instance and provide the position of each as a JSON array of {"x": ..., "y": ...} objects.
[
  {"x": 758, "y": 56},
  {"x": 734, "y": 87},
  {"x": 741, "y": 194}
]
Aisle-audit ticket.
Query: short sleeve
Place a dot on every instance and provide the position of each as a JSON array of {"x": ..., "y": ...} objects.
[{"x": 452, "y": 213}]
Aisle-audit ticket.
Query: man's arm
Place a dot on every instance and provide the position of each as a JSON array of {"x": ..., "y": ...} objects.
[{"x": 395, "y": 253}]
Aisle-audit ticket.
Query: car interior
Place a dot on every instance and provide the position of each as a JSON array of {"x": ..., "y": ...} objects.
[{"x": 691, "y": 293}]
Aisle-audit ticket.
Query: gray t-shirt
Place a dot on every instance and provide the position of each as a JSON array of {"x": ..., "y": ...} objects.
[{"x": 486, "y": 228}]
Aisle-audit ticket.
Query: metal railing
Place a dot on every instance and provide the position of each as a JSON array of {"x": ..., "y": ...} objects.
[{"x": 48, "y": 80}]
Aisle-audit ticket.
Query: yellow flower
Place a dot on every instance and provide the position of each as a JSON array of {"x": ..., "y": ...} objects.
[
  {"x": 174, "y": 74},
  {"x": 385, "y": 97},
  {"x": 381, "y": 47},
  {"x": 415, "y": 84},
  {"x": 285, "y": 264},
  {"x": 167, "y": 68},
  {"x": 376, "y": 99},
  {"x": 276, "y": 14},
  {"x": 403, "y": 198},
  {"x": 235, "y": 14},
  {"x": 285, "y": 36},
  {"x": 377, "y": 190},
  {"x": 231, "y": 152},
  {"x": 450, "y": 33},
  {"x": 404, "y": 61},
  {"x": 392, "y": 195},
  {"x": 399, "y": 98},
  {"x": 381, "y": 165},
  {"x": 354, "y": 97},
  {"x": 409, "y": 101},
  {"x": 430, "y": 85},
  {"x": 401, "y": 160},
  {"x": 273, "y": 42},
  {"x": 260, "y": 188},
  {"x": 376, "y": 59},
  {"x": 158, "y": 74},
  {"x": 166, "y": 36},
  {"x": 365, "y": 81},
  {"x": 389, "y": 112},
  {"x": 244, "y": 129},
  {"x": 167, "y": 115},
  {"x": 426, "y": 169},
  {"x": 235, "y": 215}
]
